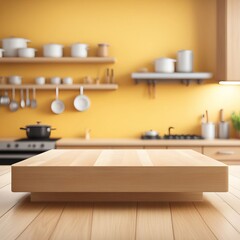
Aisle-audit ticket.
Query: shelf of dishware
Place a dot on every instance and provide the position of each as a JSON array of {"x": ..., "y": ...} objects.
[
  {"x": 58, "y": 60},
  {"x": 102, "y": 86},
  {"x": 185, "y": 78}
]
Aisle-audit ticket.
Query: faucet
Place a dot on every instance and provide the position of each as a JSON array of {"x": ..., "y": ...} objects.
[{"x": 169, "y": 130}]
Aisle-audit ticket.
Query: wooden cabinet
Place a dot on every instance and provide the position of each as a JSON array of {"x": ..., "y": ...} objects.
[
  {"x": 227, "y": 151},
  {"x": 197, "y": 149},
  {"x": 228, "y": 49},
  {"x": 228, "y": 155}
]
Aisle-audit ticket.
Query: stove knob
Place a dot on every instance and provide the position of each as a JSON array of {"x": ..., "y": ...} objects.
[
  {"x": 34, "y": 145},
  {"x": 42, "y": 145},
  {"x": 29, "y": 145},
  {"x": 16, "y": 145},
  {"x": 8, "y": 145}
]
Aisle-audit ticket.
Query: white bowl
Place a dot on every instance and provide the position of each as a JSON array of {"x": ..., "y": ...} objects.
[
  {"x": 55, "y": 80},
  {"x": 16, "y": 80},
  {"x": 26, "y": 52},
  {"x": 40, "y": 80},
  {"x": 67, "y": 80}
]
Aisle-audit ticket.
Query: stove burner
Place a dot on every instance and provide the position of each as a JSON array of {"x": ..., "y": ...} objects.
[
  {"x": 37, "y": 140},
  {"x": 182, "y": 137}
]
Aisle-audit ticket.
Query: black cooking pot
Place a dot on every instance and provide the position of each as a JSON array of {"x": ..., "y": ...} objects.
[{"x": 38, "y": 131}]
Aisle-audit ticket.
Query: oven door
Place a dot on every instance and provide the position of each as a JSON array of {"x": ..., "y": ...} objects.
[{"x": 9, "y": 158}]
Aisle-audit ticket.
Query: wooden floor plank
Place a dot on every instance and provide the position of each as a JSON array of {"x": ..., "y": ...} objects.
[
  {"x": 5, "y": 179},
  {"x": 8, "y": 199},
  {"x": 14, "y": 222},
  {"x": 4, "y": 169},
  {"x": 218, "y": 224},
  {"x": 114, "y": 221},
  {"x": 227, "y": 211},
  {"x": 234, "y": 191},
  {"x": 231, "y": 200},
  {"x": 75, "y": 222},
  {"x": 235, "y": 182},
  {"x": 154, "y": 221},
  {"x": 188, "y": 224},
  {"x": 234, "y": 171},
  {"x": 44, "y": 224}
]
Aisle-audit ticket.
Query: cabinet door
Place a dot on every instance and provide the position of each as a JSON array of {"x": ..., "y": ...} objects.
[
  {"x": 228, "y": 31},
  {"x": 228, "y": 155},
  {"x": 197, "y": 149}
]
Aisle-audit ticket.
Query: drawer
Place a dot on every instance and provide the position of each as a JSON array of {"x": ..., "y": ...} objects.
[
  {"x": 223, "y": 153},
  {"x": 197, "y": 149},
  {"x": 155, "y": 147}
]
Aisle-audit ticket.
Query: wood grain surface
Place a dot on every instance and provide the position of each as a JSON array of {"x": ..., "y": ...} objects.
[
  {"x": 119, "y": 171},
  {"x": 217, "y": 217}
]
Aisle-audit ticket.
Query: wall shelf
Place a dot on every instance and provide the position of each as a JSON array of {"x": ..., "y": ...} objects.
[
  {"x": 58, "y": 60},
  {"x": 184, "y": 78},
  {"x": 61, "y": 86}
]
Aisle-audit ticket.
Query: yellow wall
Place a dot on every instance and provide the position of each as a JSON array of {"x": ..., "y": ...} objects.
[{"x": 139, "y": 32}]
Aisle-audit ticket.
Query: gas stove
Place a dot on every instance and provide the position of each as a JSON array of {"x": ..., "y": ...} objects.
[
  {"x": 173, "y": 137},
  {"x": 26, "y": 144},
  {"x": 20, "y": 149}
]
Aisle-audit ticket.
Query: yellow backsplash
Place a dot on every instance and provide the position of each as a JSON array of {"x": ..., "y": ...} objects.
[{"x": 138, "y": 32}]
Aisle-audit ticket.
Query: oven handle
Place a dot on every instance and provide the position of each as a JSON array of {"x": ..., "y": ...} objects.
[{"x": 16, "y": 156}]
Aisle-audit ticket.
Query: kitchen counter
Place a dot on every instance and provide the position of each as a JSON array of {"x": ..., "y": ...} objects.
[
  {"x": 224, "y": 150},
  {"x": 77, "y": 142}
]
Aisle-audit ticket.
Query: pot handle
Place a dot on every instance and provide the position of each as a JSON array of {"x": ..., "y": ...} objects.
[
  {"x": 21, "y": 128},
  {"x": 53, "y": 128}
]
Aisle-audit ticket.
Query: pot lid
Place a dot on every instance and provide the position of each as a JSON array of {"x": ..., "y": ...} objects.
[
  {"x": 38, "y": 125},
  {"x": 16, "y": 38},
  {"x": 151, "y": 132}
]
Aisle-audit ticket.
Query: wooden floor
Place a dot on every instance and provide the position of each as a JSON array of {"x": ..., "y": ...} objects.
[{"x": 217, "y": 217}]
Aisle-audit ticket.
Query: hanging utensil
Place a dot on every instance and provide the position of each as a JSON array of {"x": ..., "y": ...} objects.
[
  {"x": 13, "y": 106},
  {"x": 5, "y": 100},
  {"x": 34, "y": 101},
  {"x": 154, "y": 89},
  {"x": 57, "y": 105},
  {"x": 22, "y": 102},
  {"x": 27, "y": 98},
  {"x": 149, "y": 88},
  {"x": 81, "y": 102}
]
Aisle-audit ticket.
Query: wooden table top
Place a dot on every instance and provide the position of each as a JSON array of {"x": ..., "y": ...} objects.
[{"x": 114, "y": 158}]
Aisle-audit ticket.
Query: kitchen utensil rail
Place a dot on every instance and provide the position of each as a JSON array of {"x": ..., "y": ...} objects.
[
  {"x": 58, "y": 60},
  {"x": 62, "y": 87}
]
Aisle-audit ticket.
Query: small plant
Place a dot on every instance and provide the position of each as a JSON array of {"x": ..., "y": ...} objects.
[{"x": 236, "y": 121}]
